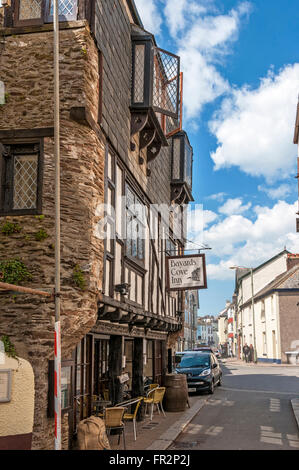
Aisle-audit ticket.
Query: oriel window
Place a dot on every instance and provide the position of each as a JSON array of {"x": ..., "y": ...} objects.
[
  {"x": 155, "y": 78},
  {"x": 21, "y": 178},
  {"x": 37, "y": 12}
]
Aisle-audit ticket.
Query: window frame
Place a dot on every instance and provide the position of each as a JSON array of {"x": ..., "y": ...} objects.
[
  {"x": 29, "y": 21},
  {"x": 3, "y": 178},
  {"x": 45, "y": 18},
  {"x": 137, "y": 200},
  {"x": 49, "y": 18},
  {"x": 82, "y": 397}
]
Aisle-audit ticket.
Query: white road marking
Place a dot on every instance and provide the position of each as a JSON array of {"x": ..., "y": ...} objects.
[{"x": 258, "y": 391}]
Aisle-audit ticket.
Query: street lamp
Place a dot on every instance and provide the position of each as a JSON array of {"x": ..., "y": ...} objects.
[{"x": 252, "y": 304}]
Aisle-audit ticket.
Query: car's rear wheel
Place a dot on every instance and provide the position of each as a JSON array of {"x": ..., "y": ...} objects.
[{"x": 212, "y": 388}]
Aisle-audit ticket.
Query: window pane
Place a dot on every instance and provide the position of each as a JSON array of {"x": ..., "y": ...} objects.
[
  {"x": 188, "y": 164},
  {"x": 176, "y": 169},
  {"x": 25, "y": 181},
  {"x": 30, "y": 9},
  {"x": 139, "y": 74},
  {"x": 65, "y": 7}
]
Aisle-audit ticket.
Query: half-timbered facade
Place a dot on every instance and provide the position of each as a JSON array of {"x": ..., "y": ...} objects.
[{"x": 123, "y": 150}]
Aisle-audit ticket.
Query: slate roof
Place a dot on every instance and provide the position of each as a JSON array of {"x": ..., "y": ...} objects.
[{"x": 286, "y": 280}]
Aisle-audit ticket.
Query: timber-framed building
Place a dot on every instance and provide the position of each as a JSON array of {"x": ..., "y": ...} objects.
[{"x": 121, "y": 140}]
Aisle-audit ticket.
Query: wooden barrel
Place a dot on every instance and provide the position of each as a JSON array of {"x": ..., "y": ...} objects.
[{"x": 176, "y": 394}]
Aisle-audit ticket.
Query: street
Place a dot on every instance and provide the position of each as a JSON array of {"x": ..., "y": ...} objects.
[{"x": 251, "y": 411}]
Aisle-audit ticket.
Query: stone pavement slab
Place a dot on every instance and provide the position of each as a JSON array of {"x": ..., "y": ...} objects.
[{"x": 159, "y": 433}]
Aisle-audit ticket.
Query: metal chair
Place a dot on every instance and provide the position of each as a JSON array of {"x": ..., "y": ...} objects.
[
  {"x": 132, "y": 416},
  {"x": 155, "y": 397},
  {"x": 113, "y": 418},
  {"x": 152, "y": 386}
]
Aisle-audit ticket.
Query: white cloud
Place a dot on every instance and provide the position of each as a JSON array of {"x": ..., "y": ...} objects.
[
  {"x": 254, "y": 127},
  {"x": 209, "y": 217},
  {"x": 217, "y": 197},
  {"x": 202, "y": 39},
  {"x": 199, "y": 219},
  {"x": 234, "y": 206},
  {"x": 209, "y": 32},
  {"x": 176, "y": 14},
  {"x": 150, "y": 15},
  {"x": 202, "y": 82},
  {"x": 279, "y": 192},
  {"x": 237, "y": 240}
]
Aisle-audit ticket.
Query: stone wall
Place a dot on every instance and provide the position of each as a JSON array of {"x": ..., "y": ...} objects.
[{"x": 26, "y": 68}]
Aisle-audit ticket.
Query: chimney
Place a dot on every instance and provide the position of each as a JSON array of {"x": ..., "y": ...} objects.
[{"x": 292, "y": 260}]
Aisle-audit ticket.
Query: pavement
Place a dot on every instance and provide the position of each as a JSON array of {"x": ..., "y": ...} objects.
[
  {"x": 159, "y": 433},
  {"x": 256, "y": 408}
]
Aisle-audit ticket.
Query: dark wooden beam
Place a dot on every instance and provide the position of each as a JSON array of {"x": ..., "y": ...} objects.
[
  {"x": 115, "y": 368},
  {"x": 6, "y": 134},
  {"x": 39, "y": 29},
  {"x": 137, "y": 376}
]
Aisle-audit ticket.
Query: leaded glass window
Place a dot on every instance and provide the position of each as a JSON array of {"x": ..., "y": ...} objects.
[
  {"x": 25, "y": 181},
  {"x": 139, "y": 73},
  {"x": 20, "y": 178},
  {"x": 30, "y": 9},
  {"x": 67, "y": 10},
  {"x": 37, "y": 12},
  {"x": 136, "y": 225}
]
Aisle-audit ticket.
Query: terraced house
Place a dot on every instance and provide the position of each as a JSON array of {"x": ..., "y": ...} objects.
[{"x": 121, "y": 140}]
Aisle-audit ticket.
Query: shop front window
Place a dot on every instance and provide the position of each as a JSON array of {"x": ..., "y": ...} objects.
[
  {"x": 101, "y": 381},
  {"x": 148, "y": 370},
  {"x": 82, "y": 396}
]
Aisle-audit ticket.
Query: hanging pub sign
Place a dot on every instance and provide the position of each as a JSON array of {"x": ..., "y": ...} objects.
[{"x": 186, "y": 272}]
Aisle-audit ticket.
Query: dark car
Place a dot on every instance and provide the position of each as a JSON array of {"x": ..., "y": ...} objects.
[{"x": 202, "y": 370}]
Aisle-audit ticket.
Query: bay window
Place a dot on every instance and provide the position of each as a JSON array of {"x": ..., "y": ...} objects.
[{"x": 182, "y": 160}]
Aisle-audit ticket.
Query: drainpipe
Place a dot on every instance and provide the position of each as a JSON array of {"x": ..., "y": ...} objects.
[
  {"x": 57, "y": 360},
  {"x": 253, "y": 316}
]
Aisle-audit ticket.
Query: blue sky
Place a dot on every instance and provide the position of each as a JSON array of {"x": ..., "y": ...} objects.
[{"x": 241, "y": 83}]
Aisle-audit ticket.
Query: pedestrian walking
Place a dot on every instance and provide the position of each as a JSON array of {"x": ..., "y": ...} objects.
[
  {"x": 251, "y": 353},
  {"x": 246, "y": 352}
]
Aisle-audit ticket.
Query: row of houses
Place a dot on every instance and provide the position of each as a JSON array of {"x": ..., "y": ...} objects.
[
  {"x": 121, "y": 140},
  {"x": 264, "y": 311},
  {"x": 188, "y": 339},
  {"x": 207, "y": 331}
]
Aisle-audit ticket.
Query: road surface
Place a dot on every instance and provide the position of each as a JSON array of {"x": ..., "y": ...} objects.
[{"x": 251, "y": 411}]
